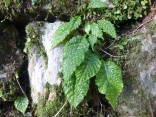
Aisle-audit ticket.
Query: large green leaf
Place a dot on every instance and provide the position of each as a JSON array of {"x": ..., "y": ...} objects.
[
  {"x": 96, "y": 31},
  {"x": 87, "y": 28},
  {"x": 108, "y": 28},
  {"x": 75, "y": 90},
  {"x": 21, "y": 103},
  {"x": 109, "y": 81},
  {"x": 65, "y": 29},
  {"x": 92, "y": 40},
  {"x": 96, "y": 4},
  {"x": 88, "y": 68},
  {"x": 73, "y": 56}
]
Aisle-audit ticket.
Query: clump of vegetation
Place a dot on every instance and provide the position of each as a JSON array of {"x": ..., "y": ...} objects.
[
  {"x": 10, "y": 8},
  {"x": 81, "y": 59},
  {"x": 127, "y": 9}
]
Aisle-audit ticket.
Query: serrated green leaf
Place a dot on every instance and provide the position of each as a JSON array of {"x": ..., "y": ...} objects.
[
  {"x": 88, "y": 68},
  {"x": 75, "y": 90},
  {"x": 21, "y": 103},
  {"x": 73, "y": 56},
  {"x": 95, "y": 30},
  {"x": 65, "y": 29},
  {"x": 109, "y": 81},
  {"x": 108, "y": 28},
  {"x": 92, "y": 40},
  {"x": 87, "y": 28},
  {"x": 96, "y": 4}
]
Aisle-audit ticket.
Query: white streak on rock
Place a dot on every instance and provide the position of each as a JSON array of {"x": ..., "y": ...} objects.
[{"x": 39, "y": 72}]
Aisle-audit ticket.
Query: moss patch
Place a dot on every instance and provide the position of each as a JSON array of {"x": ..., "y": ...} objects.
[
  {"x": 51, "y": 102},
  {"x": 53, "y": 99},
  {"x": 34, "y": 40}
]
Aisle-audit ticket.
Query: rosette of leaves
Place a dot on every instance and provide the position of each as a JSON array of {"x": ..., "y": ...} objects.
[{"x": 81, "y": 62}]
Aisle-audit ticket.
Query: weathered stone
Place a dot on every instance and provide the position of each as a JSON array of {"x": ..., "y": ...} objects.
[
  {"x": 43, "y": 68},
  {"x": 139, "y": 95},
  {"x": 11, "y": 59}
]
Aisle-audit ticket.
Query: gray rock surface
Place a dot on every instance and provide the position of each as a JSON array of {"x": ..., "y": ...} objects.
[{"x": 139, "y": 95}]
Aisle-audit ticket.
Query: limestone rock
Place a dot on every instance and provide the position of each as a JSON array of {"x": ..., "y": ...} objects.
[{"x": 44, "y": 65}]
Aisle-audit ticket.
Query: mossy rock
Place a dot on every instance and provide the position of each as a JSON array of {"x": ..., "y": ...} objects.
[
  {"x": 139, "y": 74},
  {"x": 11, "y": 61},
  {"x": 25, "y": 11},
  {"x": 53, "y": 99}
]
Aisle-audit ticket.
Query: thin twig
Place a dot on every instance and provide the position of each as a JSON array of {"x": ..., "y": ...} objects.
[
  {"x": 20, "y": 87},
  {"x": 110, "y": 45},
  {"x": 60, "y": 109},
  {"x": 150, "y": 109},
  {"x": 141, "y": 25},
  {"x": 150, "y": 2},
  {"x": 111, "y": 54},
  {"x": 100, "y": 103}
]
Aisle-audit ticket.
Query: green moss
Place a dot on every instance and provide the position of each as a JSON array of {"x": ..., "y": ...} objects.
[
  {"x": 34, "y": 39},
  {"x": 8, "y": 90},
  {"x": 51, "y": 102},
  {"x": 10, "y": 8},
  {"x": 9, "y": 53},
  {"x": 152, "y": 27},
  {"x": 53, "y": 99}
]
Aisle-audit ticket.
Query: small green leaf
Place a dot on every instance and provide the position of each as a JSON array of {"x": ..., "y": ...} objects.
[
  {"x": 75, "y": 90},
  {"x": 125, "y": 42},
  {"x": 109, "y": 81},
  {"x": 143, "y": 3},
  {"x": 88, "y": 68},
  {"x": 73, "y": 56},
  {"x": 34, "y": 1},
  {"x": 108, "y": 28},
  {"x": 95, "y": 30},
  {"x": 121, "y": 47},
  {"x": 65, "y": 29},
  {"x": 87, "y": 28},
  {"x": 92, "y": 40},
  {"x": 21, "y": 103},
  {"x": 96, "y": 4}
]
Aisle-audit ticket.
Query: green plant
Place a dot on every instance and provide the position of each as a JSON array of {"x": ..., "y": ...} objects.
[
  {"x": 21, "y": 103},
  {"x": 121, "y": 10},
  {"x": 34, "y": 1},
  {"x": 82, "y": 61}
]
